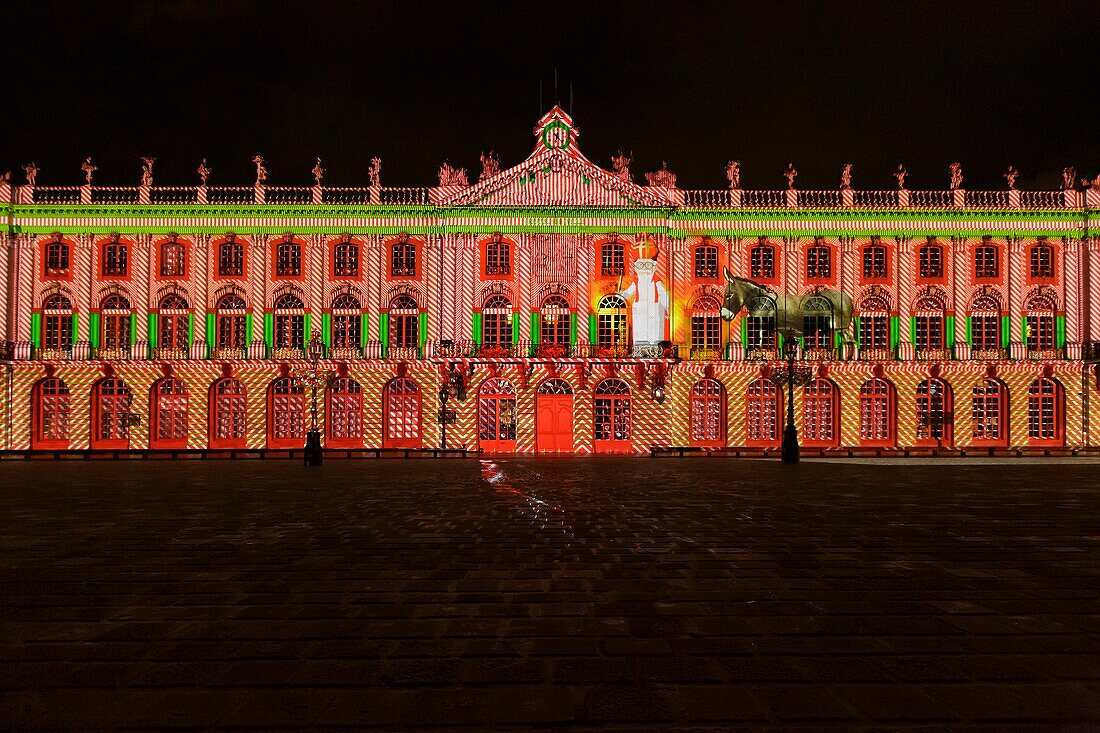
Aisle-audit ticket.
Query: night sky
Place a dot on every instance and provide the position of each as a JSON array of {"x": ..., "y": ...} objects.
[{"x": 986, "y": 83}]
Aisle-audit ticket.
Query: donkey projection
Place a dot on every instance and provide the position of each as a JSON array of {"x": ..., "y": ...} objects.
[{"x": 789, "y": 310}]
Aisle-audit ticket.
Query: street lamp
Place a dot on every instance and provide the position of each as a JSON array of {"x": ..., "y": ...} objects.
[
  {"x": 790, "y": 375},
  {"x": 315, "y": 377},
  {"x": 454, "y": 387}
]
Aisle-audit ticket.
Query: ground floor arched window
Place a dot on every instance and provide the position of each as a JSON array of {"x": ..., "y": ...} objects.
[
  {"x": 286, "y": 425},
  {"x": 989, "y": 413},
  {"x": 876, "y": 413},
  {"x": 496, "y": 416},
  {"x": 345, "y": 413},
  {"x": 707, "y": 421},
  {"x": 111, "y": 401},
  {"x": 611, "y": 417},
  {"x": 228, "y": 415},
  {"x": 1046, "y": 412},
  {"x": 820, "y": 414},
  {"x": 50, "y": 414},
  {"x": 935, "y": 416},
  {"x": 169, "y": 414},
  {"x": 762, "y": 413},
  {"x": 401, "y": 414}
]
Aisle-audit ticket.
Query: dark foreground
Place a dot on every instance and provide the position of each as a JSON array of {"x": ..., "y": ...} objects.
[{"x": 617, "y": 594}]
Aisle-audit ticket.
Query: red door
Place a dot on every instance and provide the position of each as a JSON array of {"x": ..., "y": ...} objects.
[
  {"x": 554, "y": 417},
  {"x": 496, "y": 417}
]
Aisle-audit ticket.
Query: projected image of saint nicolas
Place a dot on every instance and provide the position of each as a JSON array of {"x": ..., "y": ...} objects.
[{"x": 650, "y": 308}]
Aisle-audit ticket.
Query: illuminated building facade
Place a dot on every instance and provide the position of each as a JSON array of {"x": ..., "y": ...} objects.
[{"x": 170, "y": 319}]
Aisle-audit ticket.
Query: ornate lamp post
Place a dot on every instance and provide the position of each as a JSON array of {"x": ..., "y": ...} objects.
[
  {"x": 315, "y": 377},
  {"x": 789, "y": 374},
  {"x": 454, "y": 387}
]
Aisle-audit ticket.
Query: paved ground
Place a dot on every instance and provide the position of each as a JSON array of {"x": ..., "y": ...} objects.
[{"x": 619, "y": 594}]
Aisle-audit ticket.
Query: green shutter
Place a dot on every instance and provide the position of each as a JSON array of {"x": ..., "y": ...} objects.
[
  {"x": 384, "y": 332},
  {"x": 970, "y": 330},
  {"x": 856, "y": 329},
  {"x": 476, "y": 326},
  {"x": 895, "y": 332},
  {"x": 779, "y": 341},
  {"x": 247, "y": 330},
  {"x": 211, "y": 336},
  {"x": 307, "y": 329},
  {"x": 572, "y": 328},
  {"x": 1006, "y": 331},
  {"x": 326, "y": 329},
  {"x": 364, "y": 328},
  {"x": 190, "y": 331},
  {"x": 93, "y": 329},
  {"x": 36, "y": 330},
  {"x": 913, "y": 330},
  {"x": 269, "y": 330},
  {"x": 535, "y": 330},
  {"x": 949, "y": 326},
  {"x": 133, "y": 328},
  {"x": 153, "y": 330},
  {"x": 1023, "y": 329},
  {"x": 745, "y": 331},
  {"x": 1059, "y": 332},
  {"x": 422, "y": 326},
  {"x": 515, "y": 328},
  {"x": 593, "y": 329}
]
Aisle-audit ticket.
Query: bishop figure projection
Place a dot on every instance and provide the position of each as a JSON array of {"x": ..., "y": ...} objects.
[{"x": 650, "y": 309}]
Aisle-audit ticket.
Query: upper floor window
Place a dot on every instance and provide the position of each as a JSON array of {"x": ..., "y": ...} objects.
[
  {"x": 706, "y": 326},
  {"x": 57, "y": 327},
  {"x": 985, "y": 323},
  {"x": 404, "y": 314},
  {"x": 611, "y": 324},
  {"x": 345, "y": 261},
  {"x": 1042, "y": 260},
  {"x": 931, "y": 261},
  {"x": 498, "y": 258},
  {"x": 986, "y": 261},
  {"x": 760, "y": 323},
  {"x": 817, "y": 319},
  {"x": 874, "y": 262},
  {"x": 172, "y": 259},
  {"x": 612, "y": 259},
  {"x": 496, "y": 327},
  {"x": 230, "y": 259},
  {"x": 762, "y": 261},
  {"x": 555, "y": 321},
  {"x": 403, "y": 259},
  {"x": 819, "y": 262},
  {"x": 874, "y": 324},
  {"x": 57, "y": 258},
  {"x": 115, "y": 259},
  {"x": 347, "y": 325},
  {"x": 289, "y": 322},
  {"x": 288, "y": 259},
  {"x": 706, "y": 261}
]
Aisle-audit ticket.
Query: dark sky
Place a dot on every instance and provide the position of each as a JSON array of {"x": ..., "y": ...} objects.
[{"x": 987, "y": 83}]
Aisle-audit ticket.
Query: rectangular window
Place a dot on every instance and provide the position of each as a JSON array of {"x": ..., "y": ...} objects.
[
  {"x": 985, "y": 331},
  {"x": 985, "y": 262},
  {"x": 706, "y": 332},
  {"x": 1040, "y": 332},
  {"x": 231, "y": 260},
  {"x": 57, "y": 258},
  {"x": 346, "y": 261},
  {"x": 114, "y": 260},
  {"x": 874, "y": 331},
  {"x": 818, "y": 263},
  {"x": 288, "y": 260},
  {"x": 929, "y": 332},
  {"x": 403, "y": 260},
  {"x": 761, "y": 332},
  {"x": 874, "y": 262},
  {"x": 1042, "y": 261},
  {"x": 762, "y": 261},
  {"x": 931, "y": 261},
  {"x": 498, "y": 259},
  {"x": 706, "y": 262},
  {"x": 818, "y": 331},
  {"x": 612, "y": 260}
]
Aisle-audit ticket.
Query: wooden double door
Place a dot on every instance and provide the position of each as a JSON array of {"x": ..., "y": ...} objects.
[{"x": 554, "y": 417}]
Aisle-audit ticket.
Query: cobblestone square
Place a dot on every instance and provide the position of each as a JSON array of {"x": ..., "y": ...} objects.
[{"x": 569, "y": 595}]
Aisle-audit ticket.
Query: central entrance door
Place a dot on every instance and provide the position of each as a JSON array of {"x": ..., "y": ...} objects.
[
  {"x": 496, "y": 416},
  {"x": 554, "y": 417}
]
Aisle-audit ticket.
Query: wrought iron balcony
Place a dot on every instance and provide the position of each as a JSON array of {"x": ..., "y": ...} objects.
[
  {"x": 932, "y": 354},
  {"x": 111, "y": 353},
  {"x": 1045, "y": 354},
  {"x": 287, "y": 352},
  {"x": 988, "y": 354},
  {"x": 229, "y": 352},
  {"x": 704, "y": 353},
  {"x": 403, "y": 352},
  {"x": 345, "y": 352},
  {"x": 173, "y": 354},
  {"x": 876, "y": 354},
  {"x": 58, "y": 354},
  {"x": 761, "y": 354}
]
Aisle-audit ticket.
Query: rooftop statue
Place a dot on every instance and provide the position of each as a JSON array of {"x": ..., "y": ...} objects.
[
  {"x": 900, "y": 174},
  {"x": 733, "y": 174},
  {"x": 663, "y": 178},
  {"x": 318, "y": 172},
  {"x": 147, "y": 171},
  {"x": 261, "y": 169},
  {"x": 204, "y": 172},
  {"x": 621, "y": 165},
  {"x": 374, "y": 170},
  {"x": 88, "y": 169},
  {"x": 956, "y": 176},
  {"x": 1094, "y": 184},
  {"x": 451, "y": 176},
  {"x": 846, "y": 177},
  {"x": 490, "y": 165},
  {"x": 31, "y": 172},
  {"x": 1068, "y": 174},
  {"x": 1010, "y": 177},
  {"x": 790, "y": 174}
]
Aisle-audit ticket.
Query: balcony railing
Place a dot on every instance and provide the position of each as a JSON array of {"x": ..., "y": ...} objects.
[
  {"x": 173, "y": 354},
  {"x": 876, "y": 354},
  {"x": 704, "y": 353},
  {"x": 932, "y": 354},
  {"x": 761, "y": 354},
  {"x": 116, "y": 353},
  {"x": 988, "y": 354},
  {"x": 45, "y": 354},
  {"x": 1045, "y": 354}
]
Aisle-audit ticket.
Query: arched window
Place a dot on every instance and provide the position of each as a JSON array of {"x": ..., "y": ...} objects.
[
  {"x": 706, "y": 329},
  {"x": 169, "y": 410},
  {"x": 401, "y": 414},
  {"x": 114, "y": 315},
  {"x": 935, "y": 416},
  {"x": 762, "y": 411},
  {"x": 57, "y": 317},
  {"x": 289, "y": 322},
  {"x": 989, "y": 413},
  {"x": 496, "y": 323},
  {"x": 1041, "y": 257},
  {"x": 496, "y": 416},
  {"x": 115, "y": 259},
  {"x": 57, "y": 258},
  {"x": 230, "y": 259},
  {"x": 612, "y": 259},
  {"x": 817, "y": 322},
  {"x": 930, "y": 325},
  {"x": 874, "y": 324},
  {"x": 111, "y": 399},
  {"x": 987, "y": 263},
  {"x": 498, "y": 258},
  {"x": 404, "y": 318},
  {"x": 611, "y": 419},
  {"x": 762, "y": 261},
  {"x": 985, "y": 325},
  {"x": 1045, "y": 412},
  {"x": 229, "y": 415},
  {"x": 286, "y": 413},
  {"x": 706, "y": 261},
  {"x": 930, "y": 258},
  {"x": 345, "y": 260},
  {"x": 173, "y": 259},
  {"x": 875, "y": 262},
  {"x": 760, "y": 324},
  {"x": 1040, "y": 324},
  {"x": 876, "y": 413},
  {"x": 347, "y": 322},
  {"x": 174, "y": 322},
  {"x": 50, "y": 414},
  {"x": 345, "y": 413},
  {"x": 611, "y": 325},
  {"x": 819, "y": 261},
  {"x": 403, "y": 259},
  {"x": 554, "y": 322},
  {"x": 231, "y": 320},
  {"x": 708, "y": 413},
  {"x": 288, "y": 259},
  {"x": 820, "y": 416}
]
